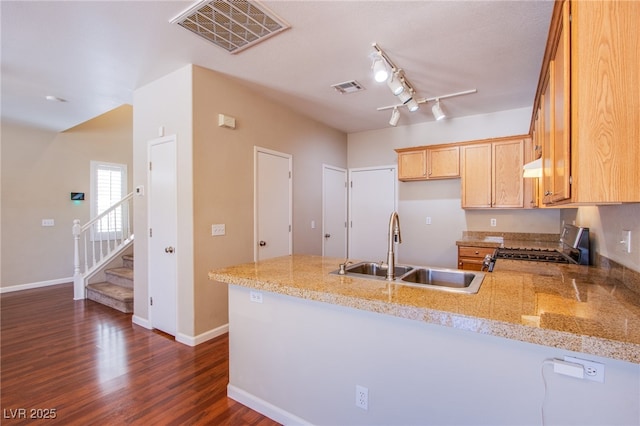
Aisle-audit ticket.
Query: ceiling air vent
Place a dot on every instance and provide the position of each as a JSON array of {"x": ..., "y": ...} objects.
[
  {"x": 233, "y": 25},
  {"x": 348, "y": 87}
]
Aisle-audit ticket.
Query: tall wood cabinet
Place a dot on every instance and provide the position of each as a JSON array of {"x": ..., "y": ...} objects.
[
  {"x": 588, "y": 96},
  {"x": 492, "y": 174}
]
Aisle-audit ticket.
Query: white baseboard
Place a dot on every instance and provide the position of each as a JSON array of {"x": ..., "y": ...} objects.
[
  {"x": 142, "y": 322},
  {"x": 263, "y": 407},
  {"x": 38, "y": 284},
  {"x": 200, "y": 338}
]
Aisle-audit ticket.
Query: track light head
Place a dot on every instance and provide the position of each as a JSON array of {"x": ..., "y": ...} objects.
[
  {"x": 436, "y": 109},
  {"x": 395, "y": 83},
  {"x": 395, "y": 116},
  {"x": 380, "y": 71},
  {"x": 412, "y": 105}
]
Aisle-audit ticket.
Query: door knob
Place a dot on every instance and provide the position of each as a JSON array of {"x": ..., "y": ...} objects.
[
  {"x": 327, "y": 235},
  {"x": 262, "y": 243},
  {"x": 168, "y": 249}
]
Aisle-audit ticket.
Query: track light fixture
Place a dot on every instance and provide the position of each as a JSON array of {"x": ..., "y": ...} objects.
[
  {"x": 401, "y": 87},
  {"x": 408, "y": 101},
  {"x": 438, "y": 114},
  {"x": 395, "y": 116}
]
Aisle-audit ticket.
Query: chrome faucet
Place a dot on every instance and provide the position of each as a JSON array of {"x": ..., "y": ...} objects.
[{"x": 394, "y": 237}]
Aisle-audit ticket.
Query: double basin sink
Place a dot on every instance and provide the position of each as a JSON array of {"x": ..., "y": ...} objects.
[{"x": 452, "y": 280}]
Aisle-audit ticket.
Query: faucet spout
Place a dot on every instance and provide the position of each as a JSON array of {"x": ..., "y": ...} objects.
[{"x": 394, "y": 237}]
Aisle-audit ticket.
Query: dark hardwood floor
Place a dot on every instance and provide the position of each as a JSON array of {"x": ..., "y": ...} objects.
[{"x": 83, "y": 363}]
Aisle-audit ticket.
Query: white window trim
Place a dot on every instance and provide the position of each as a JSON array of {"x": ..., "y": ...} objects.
[{"x": 93, "y": 197}]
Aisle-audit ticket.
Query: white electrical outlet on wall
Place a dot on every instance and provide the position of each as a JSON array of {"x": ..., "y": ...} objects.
[{"x": 362, "y": 397}]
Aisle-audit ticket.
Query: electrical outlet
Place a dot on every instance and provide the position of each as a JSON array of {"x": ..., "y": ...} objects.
[
  {"x": 592, "y": 370},
  {"x": 362, "y": 397},
  {"x": 428, "y": 220},
  {"x": 493, "y": 222},
  {"x": 255, "y": 296}
]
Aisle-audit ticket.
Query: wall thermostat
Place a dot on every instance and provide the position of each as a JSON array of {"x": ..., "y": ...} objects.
[{"x": 77, "y": 196}]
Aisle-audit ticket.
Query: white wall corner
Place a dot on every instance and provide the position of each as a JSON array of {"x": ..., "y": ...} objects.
[{"x": 203, "y": 337}]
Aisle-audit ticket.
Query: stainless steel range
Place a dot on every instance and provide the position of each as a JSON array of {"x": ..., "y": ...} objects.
[{"x": 574, "y": 242}]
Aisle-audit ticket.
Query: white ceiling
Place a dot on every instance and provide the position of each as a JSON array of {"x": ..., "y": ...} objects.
[{"x": 95, "y": 54}]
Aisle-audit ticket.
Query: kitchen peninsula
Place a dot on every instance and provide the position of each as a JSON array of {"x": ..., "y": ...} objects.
[{"x": 301, "y": 339}]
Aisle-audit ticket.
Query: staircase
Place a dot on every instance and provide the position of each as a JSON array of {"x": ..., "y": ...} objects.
[{"x": 117, "y": 291}]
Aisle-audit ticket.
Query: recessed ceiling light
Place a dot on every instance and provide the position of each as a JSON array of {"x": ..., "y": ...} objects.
[{"x": 54, "y": 99}]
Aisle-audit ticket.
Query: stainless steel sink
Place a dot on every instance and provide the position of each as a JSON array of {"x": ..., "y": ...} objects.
[
  {"x": 451, "y": 280},
  {"x": 445, "y": 279},
  {"x": 372, "y": 269}
]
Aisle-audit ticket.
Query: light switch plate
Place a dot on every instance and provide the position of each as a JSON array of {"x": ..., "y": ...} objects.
[
  {"x": 625, "y": 241},
  {"x": 48, "y": 222},
  {"x": 218, "y": 229}
]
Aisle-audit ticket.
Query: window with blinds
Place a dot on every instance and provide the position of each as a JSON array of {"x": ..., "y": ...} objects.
[{"x": 108, "y": 186}]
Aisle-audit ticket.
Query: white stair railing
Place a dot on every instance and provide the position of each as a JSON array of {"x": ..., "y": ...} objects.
[{"x": 99, "y": 241}]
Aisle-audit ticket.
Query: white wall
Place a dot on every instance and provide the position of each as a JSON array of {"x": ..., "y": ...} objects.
[
  {"x": 416, "y": 373},
  {"x": 435, "y": 244},
  {"x": 605, "y": 225},
  {"x": 165, "y": 103}
]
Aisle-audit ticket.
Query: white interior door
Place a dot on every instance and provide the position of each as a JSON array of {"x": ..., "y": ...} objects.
[
  {"x": 273, "y": 204},
  {"x": 372, "y": 195},
  {"x": 334, "y": 211},
  {"x": 163, "y": 234}
]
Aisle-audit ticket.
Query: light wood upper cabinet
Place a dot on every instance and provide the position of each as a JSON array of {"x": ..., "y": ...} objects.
[
  {"x": 443, "y": 162},
  {"x": 506, "y": 168},
  {"x": 430, "y": 162},
  {"x": 589, "y": 92},
  {"x": 412, "y": 164},
  {"x": 492, "y": 174},
  {"x": 556, "y": 178},
  {"x": 475, "y": 161}
]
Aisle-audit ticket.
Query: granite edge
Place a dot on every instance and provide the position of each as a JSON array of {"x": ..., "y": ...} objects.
[{"x": 624, "y": 351}]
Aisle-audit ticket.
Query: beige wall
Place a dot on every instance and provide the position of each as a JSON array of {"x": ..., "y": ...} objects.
[
  {"x": 39, "y": 170},
  {"x": 223, "y": 179},
  {"x": 434, "y": 244},
  {"x": 219, "y": 165}
]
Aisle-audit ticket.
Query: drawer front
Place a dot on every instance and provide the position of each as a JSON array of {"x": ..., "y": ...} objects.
[
  {"x": 480, "y": 252},
  {"x": 470, "y": 264}
]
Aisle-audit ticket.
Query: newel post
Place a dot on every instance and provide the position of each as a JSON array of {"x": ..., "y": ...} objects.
[{"x": 78, "y": 279}]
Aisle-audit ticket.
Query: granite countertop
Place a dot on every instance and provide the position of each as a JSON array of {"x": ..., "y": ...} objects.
[{"x": 578, "y": 308}]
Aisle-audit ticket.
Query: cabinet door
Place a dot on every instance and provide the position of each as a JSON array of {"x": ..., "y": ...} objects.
[
  {"x": 508, "y": 183},
  {"x": 475, "y": 161},
  {"x": 412, "y": 165},
  {"x": 443, "y": 162},
  {"x": 561, "y": 113},
  {"x": 546, "y": 137}
]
